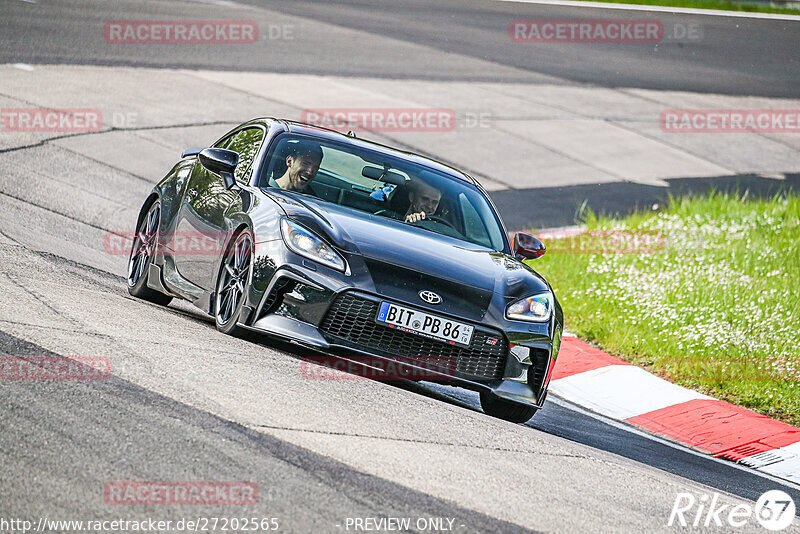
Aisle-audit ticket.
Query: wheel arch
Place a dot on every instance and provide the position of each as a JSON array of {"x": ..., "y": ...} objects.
[{"x": 151, "y": 199}]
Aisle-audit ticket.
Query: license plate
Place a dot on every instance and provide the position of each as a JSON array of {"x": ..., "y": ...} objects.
[{"x": 425, "y": 324}]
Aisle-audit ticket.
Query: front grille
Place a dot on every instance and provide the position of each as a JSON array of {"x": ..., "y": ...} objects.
[{"x": 351, "y": 318}]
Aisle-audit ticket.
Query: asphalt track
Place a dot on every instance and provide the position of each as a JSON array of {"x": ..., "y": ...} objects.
[
  {"x": 752, "y": 57},
  {"x": 186, "y": 403}
]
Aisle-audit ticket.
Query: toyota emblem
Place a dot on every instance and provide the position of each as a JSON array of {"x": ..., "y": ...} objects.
[{"x": 430, "y": 297}]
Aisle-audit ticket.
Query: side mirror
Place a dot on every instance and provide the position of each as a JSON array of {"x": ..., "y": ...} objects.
[
  {"x": 527, "y": 247},
  {"x": 221, "y": 162}
]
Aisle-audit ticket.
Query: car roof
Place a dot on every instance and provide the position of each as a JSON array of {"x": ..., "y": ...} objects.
[{"x": 333, "y": 135}]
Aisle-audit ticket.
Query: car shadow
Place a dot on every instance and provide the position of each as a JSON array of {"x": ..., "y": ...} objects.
[{"x": 560, "y": 418}]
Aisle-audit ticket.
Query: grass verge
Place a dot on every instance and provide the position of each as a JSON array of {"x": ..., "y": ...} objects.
[
  {"x": 705, "y": 293},
  {"x": 710, "y": 4}
]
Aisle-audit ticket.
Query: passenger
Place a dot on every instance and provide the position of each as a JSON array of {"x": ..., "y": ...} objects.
[{"x": 302, "y": 164}]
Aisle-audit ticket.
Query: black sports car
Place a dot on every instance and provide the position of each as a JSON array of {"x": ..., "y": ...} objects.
[{"x": 354, "y": 249}]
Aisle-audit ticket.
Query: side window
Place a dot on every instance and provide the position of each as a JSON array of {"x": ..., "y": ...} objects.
[
  {"x": 246, "y": 143},
  {"x": 222, "y": 142},
  {"x": 474, "y": 227}
]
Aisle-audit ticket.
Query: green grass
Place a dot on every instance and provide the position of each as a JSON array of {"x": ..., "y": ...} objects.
[
  {"x": 711, "y": 303},
  {"x": 711, "y": 4}
]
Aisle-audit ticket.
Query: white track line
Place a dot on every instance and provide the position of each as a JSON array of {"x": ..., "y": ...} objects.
[
  {"x": 659, "y": 9},
  {"x": 788, "y": 464},
  {"x": 622, "y": 391}
]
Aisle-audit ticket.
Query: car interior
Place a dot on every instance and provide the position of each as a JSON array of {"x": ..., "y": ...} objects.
[{"x": 348, "y": 180}]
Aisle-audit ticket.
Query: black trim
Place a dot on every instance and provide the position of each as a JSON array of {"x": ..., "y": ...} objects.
[{"x": 350, "y": 321}]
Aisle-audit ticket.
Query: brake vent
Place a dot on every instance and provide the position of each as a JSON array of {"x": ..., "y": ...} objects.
[{"x": 275, "y": 297}]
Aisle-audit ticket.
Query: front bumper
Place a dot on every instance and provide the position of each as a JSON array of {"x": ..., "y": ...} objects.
[{"x": 295, "y": 299}]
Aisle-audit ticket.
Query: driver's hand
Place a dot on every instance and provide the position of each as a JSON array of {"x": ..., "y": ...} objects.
[{"x": 415, "y": 217}]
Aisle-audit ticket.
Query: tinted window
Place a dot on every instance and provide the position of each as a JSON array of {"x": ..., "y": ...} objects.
[{"x": 383, "y": 185}]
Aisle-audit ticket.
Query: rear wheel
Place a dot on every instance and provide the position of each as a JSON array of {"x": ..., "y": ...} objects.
[
  {"x": 232, "y": 284},
  {"x": 508, "y": 410},
  {"x": 142, "y": 253}
]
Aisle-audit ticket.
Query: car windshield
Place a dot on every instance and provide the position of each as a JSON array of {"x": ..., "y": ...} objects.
[{"x": 382, "y": 185}]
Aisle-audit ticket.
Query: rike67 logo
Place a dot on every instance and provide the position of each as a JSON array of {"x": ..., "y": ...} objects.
[{"x": 774, "y": 510}]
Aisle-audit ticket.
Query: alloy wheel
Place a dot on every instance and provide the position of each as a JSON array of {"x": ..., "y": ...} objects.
[
  {"x": 144, "y": 245},
  {"x": 233, "y": 279}
]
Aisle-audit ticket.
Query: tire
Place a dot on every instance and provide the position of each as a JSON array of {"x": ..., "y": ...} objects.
[
  {"x": 507, "y": 410},
  {"x": 142, "y": 251},
  {"x": 232, "y": 283}
]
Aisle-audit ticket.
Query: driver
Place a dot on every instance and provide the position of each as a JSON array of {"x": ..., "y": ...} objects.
[
  {"x": 424, "y": 200},
  {"x": 302, "y": 164}
]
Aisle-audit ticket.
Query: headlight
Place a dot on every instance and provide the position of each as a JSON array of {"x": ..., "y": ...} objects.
[
  {"x": 536, "y": 308},
  {"x": 303, "y": 242}
]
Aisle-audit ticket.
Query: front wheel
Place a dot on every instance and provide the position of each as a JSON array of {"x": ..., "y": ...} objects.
[
  {"x": 232, "y": 284},
  {"x": 507, "y": 410},
  {"x": 142, "y": 251}
]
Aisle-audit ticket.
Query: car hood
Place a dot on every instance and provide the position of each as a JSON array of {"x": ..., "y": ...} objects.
[{"x": 388, "y": 244}]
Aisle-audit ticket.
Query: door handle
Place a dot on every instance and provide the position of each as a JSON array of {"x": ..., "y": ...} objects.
[{"x": 191, "y": 193}]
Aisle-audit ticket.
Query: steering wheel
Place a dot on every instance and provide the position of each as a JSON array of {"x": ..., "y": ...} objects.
[{"x": 437, "y": 219}]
